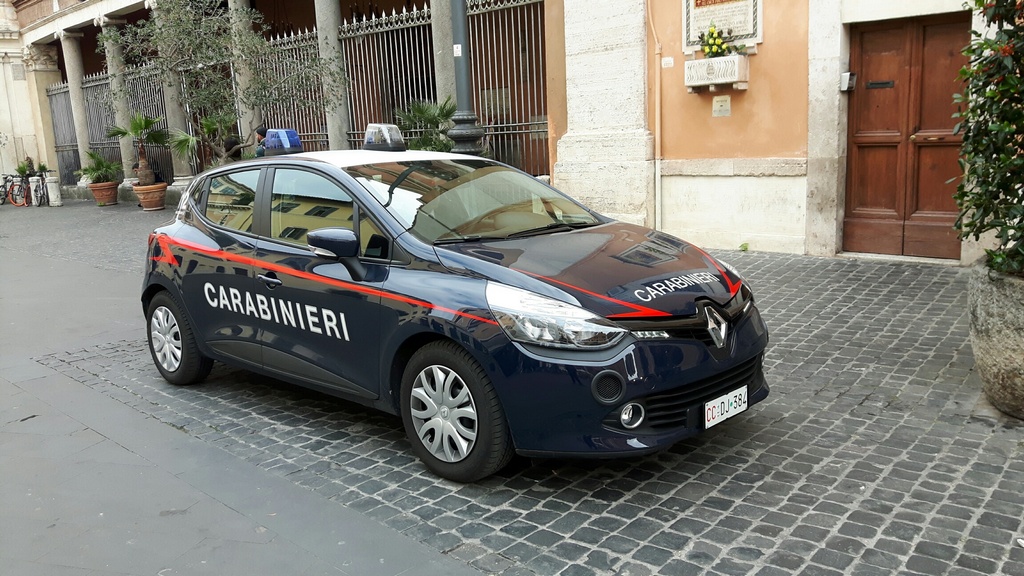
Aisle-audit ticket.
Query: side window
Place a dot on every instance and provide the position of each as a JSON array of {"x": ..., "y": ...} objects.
[
  {"x": 198, "y": 191},
  {"x": 231, "y": 198},
  {"x": 372, "y": 242},
  {"x": 302, "y": 201}
]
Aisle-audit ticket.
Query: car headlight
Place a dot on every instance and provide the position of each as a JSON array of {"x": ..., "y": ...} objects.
[{"x": 530, "y": 318}]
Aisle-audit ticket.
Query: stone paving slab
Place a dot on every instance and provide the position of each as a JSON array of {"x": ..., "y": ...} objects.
[{"x": 875, "y": 453}]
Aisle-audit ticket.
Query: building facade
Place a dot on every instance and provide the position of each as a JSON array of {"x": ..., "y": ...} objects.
[
  {"x": 834, "y": 137},
  {"x": 787, "y": 159}
]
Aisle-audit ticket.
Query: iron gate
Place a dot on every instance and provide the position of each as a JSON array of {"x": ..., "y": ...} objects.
[
  {"x": 507, "y": 42},
  {"x": 144, "y": 95},
  {"x": 310, "y": 120},
  {"x": 64, "y": 133},
  {"x": 390, "y": 63}
]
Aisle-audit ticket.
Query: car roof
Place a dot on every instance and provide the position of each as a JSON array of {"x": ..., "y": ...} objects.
[{"x": 347, "y": 158}]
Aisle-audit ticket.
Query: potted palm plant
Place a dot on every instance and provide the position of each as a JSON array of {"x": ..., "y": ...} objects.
[
  {"x": 991, "y": 199},
  {"x": 144, "y": 130},
  {"x": 104, "y": 176},
  {"x": 427, "y": 124}
]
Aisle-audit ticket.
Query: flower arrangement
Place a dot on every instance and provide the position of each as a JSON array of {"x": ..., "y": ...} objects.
[{"x": 714, "y": 44}]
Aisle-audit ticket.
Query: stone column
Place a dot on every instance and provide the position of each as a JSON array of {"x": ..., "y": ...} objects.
[
  {"x": 176, "y": 119},
  {"x": 71, "y": 46},
  {"x": 328, "y": 21},
  {"x": 828, "y": 57},
  {"x": 444, "y": 61},
  {"x": 249, "y": 119},
  {"x": 122, "y": 115},
  {"x": 606, "y": 157},
  {"x": 41, "y": 71}
]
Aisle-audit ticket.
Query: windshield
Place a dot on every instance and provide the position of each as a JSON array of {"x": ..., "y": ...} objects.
[{"x": 464, "y": 200}]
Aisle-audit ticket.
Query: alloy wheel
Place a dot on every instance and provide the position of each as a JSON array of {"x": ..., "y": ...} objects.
[
  {"x": 443, "y": 413},
  {"x": 166, "y": 338}
]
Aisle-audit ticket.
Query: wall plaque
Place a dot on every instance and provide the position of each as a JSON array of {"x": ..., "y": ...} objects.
[{"x": 744, "y": 17}]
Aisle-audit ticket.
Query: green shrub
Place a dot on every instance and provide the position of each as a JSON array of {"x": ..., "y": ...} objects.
[{"x": 991, "y": 119}]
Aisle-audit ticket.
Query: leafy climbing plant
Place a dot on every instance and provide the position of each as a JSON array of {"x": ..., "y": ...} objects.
[{"x": 991, "y": 119}]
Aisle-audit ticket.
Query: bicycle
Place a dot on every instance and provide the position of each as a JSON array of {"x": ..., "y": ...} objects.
[
  {"x": 39, "y": 193},
  {"x": 5, "y": 182},
  {"x": 15, "y": 189}
]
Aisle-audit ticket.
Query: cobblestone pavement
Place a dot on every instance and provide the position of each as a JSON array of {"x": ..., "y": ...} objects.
[{"x": 874, "y": 453}]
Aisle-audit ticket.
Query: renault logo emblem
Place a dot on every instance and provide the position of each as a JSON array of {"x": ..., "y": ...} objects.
[{"x": 717, "y": 327}]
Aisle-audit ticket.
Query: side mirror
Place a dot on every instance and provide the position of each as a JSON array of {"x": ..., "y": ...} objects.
[
  {"x": 339, "y": 244},
  {"x": 336, "y": 243}
]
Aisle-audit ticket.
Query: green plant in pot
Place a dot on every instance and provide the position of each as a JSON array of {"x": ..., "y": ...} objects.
[
  {"x": 144, "y": 130},
  {"x": 104, "y": 176},
  {"x": 427, "y": 125},
  {"x": 991, "y": 198},
  {"x": 23, "y": 169},
  {"x": 217, "y": 134}
]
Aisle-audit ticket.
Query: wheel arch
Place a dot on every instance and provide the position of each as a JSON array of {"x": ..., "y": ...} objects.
[
  {"x": 149, "y": 292},
  {"x": 400, "y": 359}
]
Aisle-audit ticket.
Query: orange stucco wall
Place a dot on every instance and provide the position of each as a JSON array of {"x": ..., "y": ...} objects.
[{"x": 769, "y": 119}]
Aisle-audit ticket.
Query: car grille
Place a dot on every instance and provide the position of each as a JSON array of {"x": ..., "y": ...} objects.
[
  {"x": 692, "y": 327},
  {"x": 670, "y": 409}
]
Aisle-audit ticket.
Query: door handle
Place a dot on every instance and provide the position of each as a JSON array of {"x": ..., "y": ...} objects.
[
  {"x": 913, "y": 137},
  {"x": 270, "y": 281}
]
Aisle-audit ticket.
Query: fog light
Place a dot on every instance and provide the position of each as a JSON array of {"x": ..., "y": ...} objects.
[{"x": 631, "y": 416}]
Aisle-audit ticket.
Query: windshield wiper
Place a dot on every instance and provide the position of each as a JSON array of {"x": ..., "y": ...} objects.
[
  {"x": 470, "y": 238},
  {"x": 551, "y": 228}
]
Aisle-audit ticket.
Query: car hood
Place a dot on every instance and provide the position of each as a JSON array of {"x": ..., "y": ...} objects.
[{"x": 616, "y": 270}]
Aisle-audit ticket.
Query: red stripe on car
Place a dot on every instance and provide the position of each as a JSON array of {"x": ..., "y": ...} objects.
[
  {"x": 640, "y": 311},
  {"x": 223, "y": 255}
]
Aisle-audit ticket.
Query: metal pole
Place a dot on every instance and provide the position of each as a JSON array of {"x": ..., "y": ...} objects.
[{"x": 466, "y": 133}]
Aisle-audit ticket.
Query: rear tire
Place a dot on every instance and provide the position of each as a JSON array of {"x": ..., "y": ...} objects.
[
  {"x": 18, "y": 195},
  {"x": 41, "y": 198},
  {"x": 172, "y": 343},
  {"x": 452, "y": 415}
]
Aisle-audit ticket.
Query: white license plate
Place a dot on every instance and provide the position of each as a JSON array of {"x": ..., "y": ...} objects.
[{"x": 725, "y": 407}]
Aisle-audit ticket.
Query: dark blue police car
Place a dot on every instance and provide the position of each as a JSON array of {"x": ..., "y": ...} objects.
[{"x": 493, "y": 313}]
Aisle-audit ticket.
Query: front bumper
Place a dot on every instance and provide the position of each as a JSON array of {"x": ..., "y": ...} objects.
[{"x": 570, "y": 407}]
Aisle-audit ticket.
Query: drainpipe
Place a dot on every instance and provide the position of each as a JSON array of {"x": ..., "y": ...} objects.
[{"x": 657, "y": 120}]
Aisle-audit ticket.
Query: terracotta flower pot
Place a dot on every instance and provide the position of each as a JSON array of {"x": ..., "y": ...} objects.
[
  {"x": 152, "y": 197},
  {"x": 996, "y": 303},
  {"x": 105, "y": 193}
]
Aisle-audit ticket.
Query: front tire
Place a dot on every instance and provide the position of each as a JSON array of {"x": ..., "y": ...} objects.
[
  {"x": 172, "y": 344},
  {"x": 18, "y": 196},
  {"x": 452, "y": 415}
]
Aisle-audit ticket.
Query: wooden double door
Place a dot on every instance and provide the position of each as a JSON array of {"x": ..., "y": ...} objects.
[{"x": 902, "y": 152}]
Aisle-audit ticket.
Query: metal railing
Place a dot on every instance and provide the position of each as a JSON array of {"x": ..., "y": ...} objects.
[
  {"x": 390, "y": 63},
  {"x": 144, "y": 95},
  {"x": 507, "y": 38},
  {"x": 309, "y": 120},
  {"x": 389, "y": 60}
]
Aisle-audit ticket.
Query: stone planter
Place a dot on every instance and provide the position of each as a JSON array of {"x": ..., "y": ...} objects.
[
  {"x": 996, "y": 304},
  {"x": 712, "y": 73},
  {"x": 152, "y": 197},
  {"x": 105, "y": 193},
  {"x": 53, "y": 191}
]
